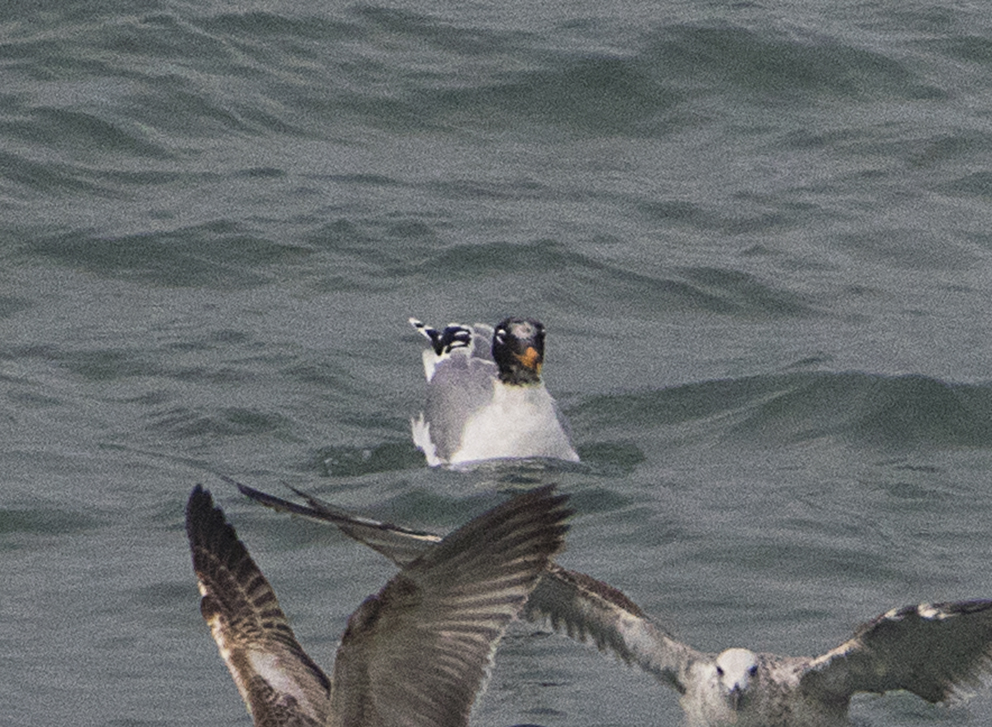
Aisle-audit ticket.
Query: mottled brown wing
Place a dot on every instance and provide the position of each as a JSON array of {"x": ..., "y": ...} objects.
[
  {"x": 937, "y": 651},
  {"x": 279, "y": 683},
  {"x": 588, "y": 609},
  {"x": 577, "y": 604},
  {"x": 418, "y": 653}
]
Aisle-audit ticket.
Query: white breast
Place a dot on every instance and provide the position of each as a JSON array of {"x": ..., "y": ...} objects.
[{"x": 520, "y": 421}]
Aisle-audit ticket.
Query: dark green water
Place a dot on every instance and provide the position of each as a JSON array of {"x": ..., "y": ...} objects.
[{"x": 759, "y": 235}]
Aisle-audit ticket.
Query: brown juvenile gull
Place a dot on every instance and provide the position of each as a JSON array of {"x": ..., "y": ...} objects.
[
  {"x": 937, "y": 651},
  {"x": 415, "y": 654},
  {"x": 485, "y": 396}
]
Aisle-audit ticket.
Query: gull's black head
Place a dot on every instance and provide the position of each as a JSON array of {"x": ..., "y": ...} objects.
[{"x": 518, "y": 349}]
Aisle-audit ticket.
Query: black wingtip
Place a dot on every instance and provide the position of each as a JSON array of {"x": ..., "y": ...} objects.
[
  {"x": 206, "y": 524},
  {"x": 452, "y": 337},
  {"x": 545, "y": 500},
  {"x": 557, "y": 501},
  {"x": 200, "y": 503},
  {"x": 258, "y": 496}
]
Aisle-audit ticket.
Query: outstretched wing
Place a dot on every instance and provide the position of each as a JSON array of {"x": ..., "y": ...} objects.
[
  {"x": 587, "y": 609},
  {"x": 937, "y": 651},
  {"x": 417, "y": 653},
  {"x": 279, "y": 683},
  {"x": 580, "y": 606},
  {"x": 401, "y": 545}
]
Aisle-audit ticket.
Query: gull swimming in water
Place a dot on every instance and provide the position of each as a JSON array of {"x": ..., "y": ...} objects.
[
  {"x": 485, "y": 396},
  {"x": 415, "y": 654},
  {"x": 938, "y": 651}
]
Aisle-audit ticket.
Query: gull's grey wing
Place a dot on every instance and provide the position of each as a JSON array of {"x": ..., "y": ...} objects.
[
  {"x": 937, "y": 651},
  {"x": 588, "y": 609},
  {"x": 462, "y": 384},
  {"x": 482, "y": 341},
  {"x": 566, "y": 429},
  {"x": 279, "y": 683},
  {"x": 418, "y": 652},
  {"x": 400, "y": 545}
]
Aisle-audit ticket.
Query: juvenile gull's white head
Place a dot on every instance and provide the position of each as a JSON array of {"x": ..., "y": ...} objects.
[{"x": 734, "y": 670}]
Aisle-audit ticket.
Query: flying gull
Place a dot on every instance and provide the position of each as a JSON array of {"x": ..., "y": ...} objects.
[
  {"x": 415, "y": 654},
  {"x": 485, "y": 396},
  {"x": 938, "y": 651}
]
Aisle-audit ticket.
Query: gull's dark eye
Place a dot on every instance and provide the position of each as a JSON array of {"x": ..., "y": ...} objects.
[
  {"x": 753, "y": 670},
  {"x": 719, "y": 671}
]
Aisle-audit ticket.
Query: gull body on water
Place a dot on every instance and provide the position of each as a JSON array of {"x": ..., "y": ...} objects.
[{"x": 485, "y": 396}]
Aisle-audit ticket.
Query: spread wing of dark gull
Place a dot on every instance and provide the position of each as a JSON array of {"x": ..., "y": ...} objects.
[
  {"x": 940, "y": 652},
  {"x": 587, "y": 609},
  {"x": 583, "y": 607},
  {"x": 279, "y": 683},
  {"x": 415, "y": 654},
  {"x": 485, "y": 396}
]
